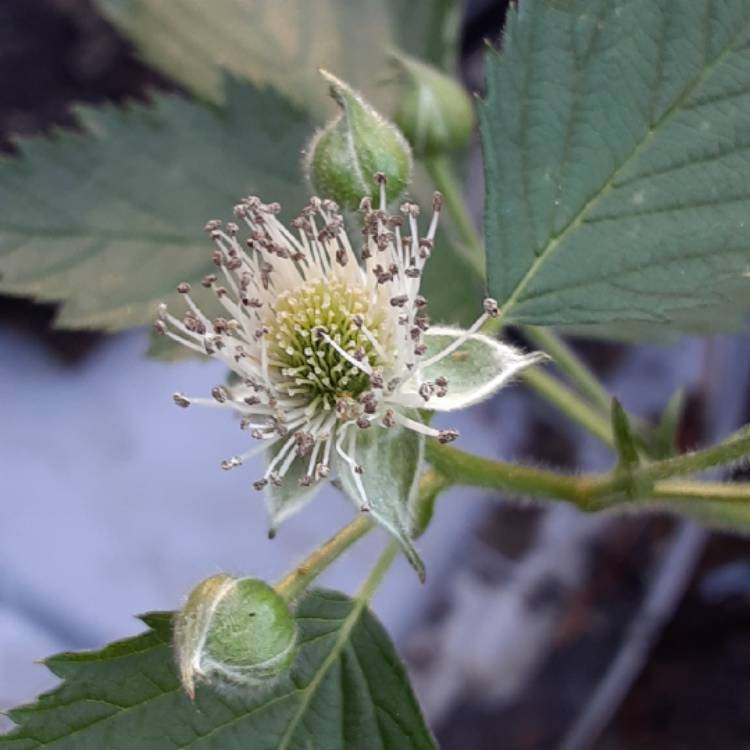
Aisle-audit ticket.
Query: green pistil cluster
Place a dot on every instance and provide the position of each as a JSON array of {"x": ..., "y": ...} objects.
[{"x": 306, "y": 360}]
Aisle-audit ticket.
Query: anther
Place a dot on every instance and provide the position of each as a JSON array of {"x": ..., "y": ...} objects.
[
  {"x": 220, "y": 394},
  {"x": 184, "y": 288},
  {"x": 274, "y": 479},
  {"x": 441, "y": 386},
  {"x": 426, "y": 390},
  {"x": 181, "y": 400},
  {"x": 160, "y": 327},
  {"x": 447, "y": 436},
  {"x": 304, "y": 442},
  {"x": 260, "y": 484},
  {"x": 490, "y": 307}
]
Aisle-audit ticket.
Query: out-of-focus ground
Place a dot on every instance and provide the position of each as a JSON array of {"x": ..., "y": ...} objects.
[{"x": 538, "y": 627}]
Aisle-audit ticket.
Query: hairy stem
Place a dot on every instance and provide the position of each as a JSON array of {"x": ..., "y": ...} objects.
[
  {"x": 297, "y": 580},
  {"x": 569, "y": 403},
  {"x": 591, "y": 492},
  {"x": 294, "y": 583},
  {"x": 571, "y": 364},
  {"x": 464, "y": 468},
  {"x": 370, "y": 586},
  {"x": 677, "y": 490}
]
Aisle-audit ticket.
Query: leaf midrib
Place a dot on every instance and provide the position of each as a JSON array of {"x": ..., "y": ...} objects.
[
  {"x": 308, "y": 692},
  {"x": 556, "y": 240}
]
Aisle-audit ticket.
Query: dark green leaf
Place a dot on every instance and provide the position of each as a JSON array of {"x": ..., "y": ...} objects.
[
  {"x": 282, "y": 43},
  {"x": 616, "y": 136},
  {"x": 347, "y": 690},
  {"x": 110, "y": 220}
]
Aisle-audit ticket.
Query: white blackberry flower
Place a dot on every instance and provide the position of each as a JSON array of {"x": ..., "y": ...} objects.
[{"x": 333, "y": 354}]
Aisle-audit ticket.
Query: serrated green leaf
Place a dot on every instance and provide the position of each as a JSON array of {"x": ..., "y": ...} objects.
[
  {"x": 391, "y": 459},
  {"x": 346, "y": 690},
  {"x": 616, "y": 136},
  {"x": 282, "y": 43},
  {"x": 110, "y": 220}
]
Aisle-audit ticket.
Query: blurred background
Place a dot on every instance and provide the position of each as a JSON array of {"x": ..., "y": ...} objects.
[{"x": 539, "y": 627}]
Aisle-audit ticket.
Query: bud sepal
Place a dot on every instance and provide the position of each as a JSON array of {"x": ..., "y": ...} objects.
[
  {"x": 435, "y": 112},
  {"x": 233, "y": 632},
  {"x": 349, "y": 158}
]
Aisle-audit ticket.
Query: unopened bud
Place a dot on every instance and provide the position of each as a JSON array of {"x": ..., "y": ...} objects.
[
  {"x": 233, "y": 632},
  {"x": 344, "y": 158},
  {"x": 435, "y": 112}
]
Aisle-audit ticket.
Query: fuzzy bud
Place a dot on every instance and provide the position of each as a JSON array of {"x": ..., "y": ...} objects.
[
  {"x": 344, "y": 157},
  {"x": 435, "y": 112},
  {"x": 233, "y": 632}
]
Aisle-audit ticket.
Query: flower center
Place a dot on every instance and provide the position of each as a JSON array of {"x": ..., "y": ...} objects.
[{"x": 319, "y": 341}]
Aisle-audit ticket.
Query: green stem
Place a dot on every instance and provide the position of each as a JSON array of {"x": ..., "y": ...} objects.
[
  {"x": 571, "y": 364},
  {"x": 568, "y": 402},
  {"x": 732, "y": 449},
  {"x": 431, "y": 484},
  {"x": 594, "y": 491},
  {"x": 439, "y": 169},
  {"x": 294, "y": 583},
  {"x": 370, "y": 586},
  {"x": 677, "y": 490},
  {"x": 297, "y": 580},
  {"x": 464, "y": 468}
]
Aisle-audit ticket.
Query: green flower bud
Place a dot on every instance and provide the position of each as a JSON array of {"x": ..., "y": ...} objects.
[
  {"x": 435, "y": 112},
  {"x": 344, "y": 158},
  {"x": 233, "y": 631}
]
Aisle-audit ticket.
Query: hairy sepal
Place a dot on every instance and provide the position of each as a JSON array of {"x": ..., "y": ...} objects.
[
  {"x": 475, "y": 371},
  {"x": 390, "y": 459}
]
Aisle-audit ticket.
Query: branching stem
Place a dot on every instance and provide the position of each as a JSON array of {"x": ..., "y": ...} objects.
[{"x": 593, "y": 492}]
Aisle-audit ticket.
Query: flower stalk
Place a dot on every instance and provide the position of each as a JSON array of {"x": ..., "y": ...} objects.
[
  {"x": 594, "y": 492},
  {"x": 298, "y": 580}
]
